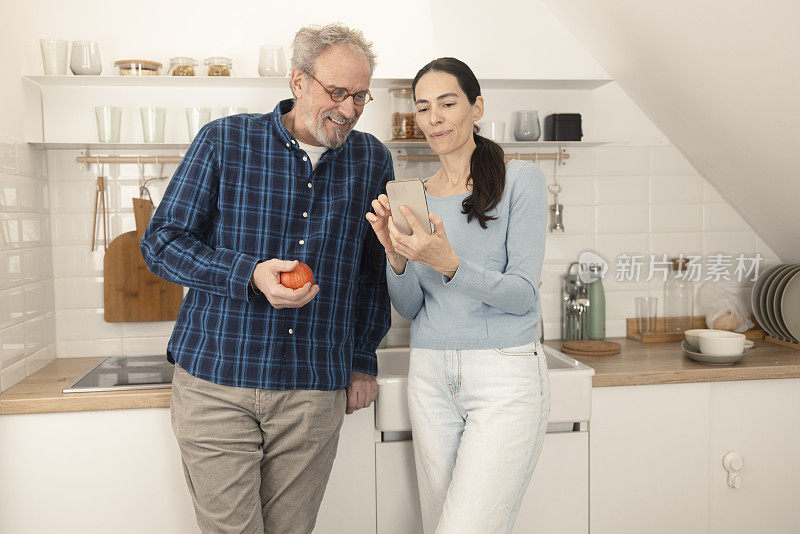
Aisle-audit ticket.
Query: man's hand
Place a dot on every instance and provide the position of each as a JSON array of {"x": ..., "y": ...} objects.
[
  {"x": 267, "y": 278},
  {"x": 362, "y": 392}
]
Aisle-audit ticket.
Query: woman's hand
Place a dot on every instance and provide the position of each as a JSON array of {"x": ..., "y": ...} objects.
[
  {"x": 379, "y": 220},
  {"x": 433, "y": 250}
]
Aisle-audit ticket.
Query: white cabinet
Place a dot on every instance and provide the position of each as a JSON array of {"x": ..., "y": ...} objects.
[
  {"x": 759, "y": 419},
  {"x": 556, "y": 501},
  {"x": 648, "y": 459},
  {"x": 120, "y": 471},
  {"x": 656, "y": 458}
]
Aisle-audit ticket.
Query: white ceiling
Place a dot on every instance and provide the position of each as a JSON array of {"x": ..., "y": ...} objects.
[{"x": 719, "y": 79}]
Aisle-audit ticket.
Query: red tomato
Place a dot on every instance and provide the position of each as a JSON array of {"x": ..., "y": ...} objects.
[{"x": 297, "y": 278}]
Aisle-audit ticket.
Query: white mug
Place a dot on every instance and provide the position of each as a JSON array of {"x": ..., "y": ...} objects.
[
  {"x": 494, "y": 130},
  {"x": 85, "y": 58}
]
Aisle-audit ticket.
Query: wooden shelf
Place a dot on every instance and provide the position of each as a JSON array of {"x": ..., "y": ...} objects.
[{"x": 282, "y": 82}]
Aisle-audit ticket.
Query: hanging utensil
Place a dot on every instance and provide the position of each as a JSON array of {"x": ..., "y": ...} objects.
[
  {"x": 556, "y": 209},
  {"x": 100, "y": 202}
]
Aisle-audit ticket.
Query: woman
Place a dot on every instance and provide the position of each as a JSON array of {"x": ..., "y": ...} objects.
[{"x": 478, "y": 388}]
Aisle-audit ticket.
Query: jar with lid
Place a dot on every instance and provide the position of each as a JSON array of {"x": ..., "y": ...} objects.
[
  {"x": 678, "y": 298},
  {"x": 404, "y": 125},
  {"x": 182, "y": 66},
  {"x": 219, "y": 66},
  {"x": 137, "y": 67}
]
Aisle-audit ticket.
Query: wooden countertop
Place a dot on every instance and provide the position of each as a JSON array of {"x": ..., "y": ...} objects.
[
  {"x": 665, "y": 363},
  {"x": 637, "y": 364},
  {"x": 41, "y": 392}
]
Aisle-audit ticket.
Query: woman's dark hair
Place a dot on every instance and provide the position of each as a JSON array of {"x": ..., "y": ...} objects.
[{"x": 487, "y": 170}]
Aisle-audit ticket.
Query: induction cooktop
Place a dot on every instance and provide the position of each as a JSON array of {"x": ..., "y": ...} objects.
[{"x": 117, "y": 373}]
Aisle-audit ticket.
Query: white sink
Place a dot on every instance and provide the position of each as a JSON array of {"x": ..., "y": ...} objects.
[{"x": 570, "y": 389}]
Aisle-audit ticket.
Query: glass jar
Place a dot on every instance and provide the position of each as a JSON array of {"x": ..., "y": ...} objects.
[
  {"x": 404, "y": 124},
  {"x": 137, "y": 67},
  {"x": 182, "y": 66},
  {"x": 219, "y": 66},
  {"x": 678, "y": 298}
]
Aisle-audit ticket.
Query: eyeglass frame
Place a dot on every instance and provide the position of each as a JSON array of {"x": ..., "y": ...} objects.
[{"x": 347, "y": 95}]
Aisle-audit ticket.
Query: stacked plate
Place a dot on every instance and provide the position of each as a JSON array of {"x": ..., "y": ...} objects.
[{"x": 776, "y": 301}]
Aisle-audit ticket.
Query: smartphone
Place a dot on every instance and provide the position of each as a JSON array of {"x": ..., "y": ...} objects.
[{"x": 412, "y": 194}]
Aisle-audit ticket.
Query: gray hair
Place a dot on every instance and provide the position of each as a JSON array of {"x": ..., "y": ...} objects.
[{"x": 311, "y": 41}]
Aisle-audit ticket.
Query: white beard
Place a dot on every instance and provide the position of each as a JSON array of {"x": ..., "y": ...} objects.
[{"x": 317, "y": 126}]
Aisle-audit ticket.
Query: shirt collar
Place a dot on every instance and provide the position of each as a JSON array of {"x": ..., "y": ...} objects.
[{"x": 284, "y": 107}]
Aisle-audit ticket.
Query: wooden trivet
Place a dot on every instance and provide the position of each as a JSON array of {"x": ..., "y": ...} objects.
[{"x": 591, "y": 347}]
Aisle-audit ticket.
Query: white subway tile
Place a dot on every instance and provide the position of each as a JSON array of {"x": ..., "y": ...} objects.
[
  {"x": 620, "y": 305},
  {"x": 70, "y": 261},
  {"x": 728, "y": 243},
  {"x": 766, "y": 252},
  {"x": 578, "y": 190},
  {"x": 623, "y": 190},
  {"x": 676, "y": 188},
  {"x": 38, "y": 298},
  {"x": 9, "y": 192},
  {"x": 74, "y": 197},
  {"x": 9, "y": 231},
  {"x": 579, "y": 220},
  {"x": 614, "y": 161},
  {"x": 10, "y": 268},
  {"x": 551, "y": 306},
  {"x": 723, "y": 217},
  {"x": 611, "y": 246},
  {"x": 89, "y": 348},
  {"x": 72, "y": 293},
  {"x": 33, "y": 195},
  {"x": 39, "y": 359},
  {"x": 674, "y": 244},
  {"x": 34, "y": 229},
  {"x": 565, "y": 247},
  {"x": 74, "y": 229},
  {"x": 12, "y": 344},
  {"x": 39, "y": 332},
  {"x": 145, "y": 346},
  {"x": 677, "y": 217},
  {"x": 669, "y": 160},
  {"x": 710, "y": 194},
  {"x": 623, "y": 219},
  {"x": 12, "y": 306},
  {"x": 551, "y": 276},
  {"x": 147, "y": 329},
  {"x": 12, "y": 375},
  {"x": 85, "y": 324},
  {"x": 30, "y": 161},
  {"x": 62, "y": 167},
  {"x": 37, "y": 263},
  {"x": 580, "y": 163}
]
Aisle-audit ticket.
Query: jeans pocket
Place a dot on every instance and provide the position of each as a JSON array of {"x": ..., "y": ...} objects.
[{"x": 528, "y": 349}]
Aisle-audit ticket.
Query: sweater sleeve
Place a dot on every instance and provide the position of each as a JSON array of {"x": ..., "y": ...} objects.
[
  {"x": 405, "y": 290},
  {"x": 513, "y": 290}
]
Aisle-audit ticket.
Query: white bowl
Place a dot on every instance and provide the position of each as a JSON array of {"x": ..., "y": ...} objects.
[
  {"x": 721, "y": 343},
  {"x": 691, "y": 336}
]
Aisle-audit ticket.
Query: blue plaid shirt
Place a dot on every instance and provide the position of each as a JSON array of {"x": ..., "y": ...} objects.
[{"x": 245, "y": 193}]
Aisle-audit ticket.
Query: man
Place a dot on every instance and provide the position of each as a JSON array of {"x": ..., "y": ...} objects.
[{"x": 258, "y": 394}]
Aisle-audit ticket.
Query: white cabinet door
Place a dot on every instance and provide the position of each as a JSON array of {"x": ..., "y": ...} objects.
[
  {"x": 349, "y": 502},
  {"x": 557, "y": 500},
  {"x": 759, "y": 419},
  {"x": 648, "y": 459},
  {"x": 396, "y": 489}
]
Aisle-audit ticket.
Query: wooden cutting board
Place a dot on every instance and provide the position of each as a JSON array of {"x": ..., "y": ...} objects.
[{"x": 131, "y": 292}]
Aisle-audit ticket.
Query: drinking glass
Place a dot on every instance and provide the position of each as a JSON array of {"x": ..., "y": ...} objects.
[
  {"x": 196, "y": 118},
  {"x": 526, "y": 125},
  {"x": 646, "y": 313},
  {"x": 54, "y": 55},
  {"x": 108, "y": 119},
  {"x": 153, "y": 124},
  {"x": 271, "y": 61}
]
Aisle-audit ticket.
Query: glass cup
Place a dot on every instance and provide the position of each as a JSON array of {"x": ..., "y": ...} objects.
[
  {"x": 54, "y": 55},
  {"x": 646, "y": 313},
  {"x": 271, "y": 61},
  {"x": 85, "y": 58},
  {"x": 494, "y": 130},
  {"x": 108, "y": 123},
  {"x": 153, "y": 124},
  {"x": 196, "y": 118},
  {"x": 526, "y": 126},
  {"x": 228, "y": 111}
]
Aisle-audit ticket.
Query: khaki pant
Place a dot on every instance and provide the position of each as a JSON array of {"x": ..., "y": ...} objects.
[{"x": 255, "y": 460}]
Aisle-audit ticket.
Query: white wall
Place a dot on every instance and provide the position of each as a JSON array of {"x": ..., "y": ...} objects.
[
  {"x": 637, "y": 195},
  {"x": 719, "y": 79}
]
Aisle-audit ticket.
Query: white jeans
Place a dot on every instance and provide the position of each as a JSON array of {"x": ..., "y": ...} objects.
[{"x": 478, "y": 419}]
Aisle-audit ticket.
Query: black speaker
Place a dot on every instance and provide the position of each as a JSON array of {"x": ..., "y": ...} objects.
[{"x": 563, "y": 127}]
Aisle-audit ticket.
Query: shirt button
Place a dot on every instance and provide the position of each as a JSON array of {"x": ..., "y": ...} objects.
[
  {"x": 302, "y": 242},
  {"x": 309, "y": 185},
  {"x": 292, "y": 141},
  {"x": 305, "y": 158},
  {"x": 305, "y": 214},
  {"x": 291, "y": 331},
  {"x": 288, "y": 145}
]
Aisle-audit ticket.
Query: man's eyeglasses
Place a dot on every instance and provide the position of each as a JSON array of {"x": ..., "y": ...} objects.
[{"x": 339, "y": 94}]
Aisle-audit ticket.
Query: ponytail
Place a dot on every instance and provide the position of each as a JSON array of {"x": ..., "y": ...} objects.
[{"x": 487, "y": 171}]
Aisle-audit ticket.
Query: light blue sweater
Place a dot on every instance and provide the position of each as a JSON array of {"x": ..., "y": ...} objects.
[{"x": 493, "y": 299}]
